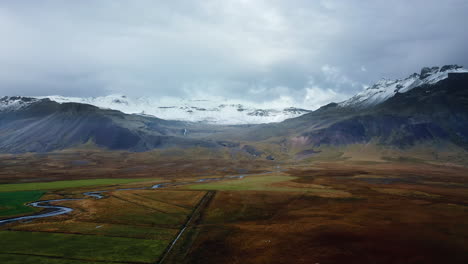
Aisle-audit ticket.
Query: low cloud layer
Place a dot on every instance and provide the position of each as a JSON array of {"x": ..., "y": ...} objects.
[{"x": 300, "y": 52}]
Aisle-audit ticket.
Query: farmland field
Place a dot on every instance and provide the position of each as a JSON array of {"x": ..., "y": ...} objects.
[
  {"x": 81, "y": 247},
  {"x": 125, "y": 226},
  {"x": 64, "y": 184},
  {"x": 272, "y": 183},
  {"x": 13, "y": 203}
]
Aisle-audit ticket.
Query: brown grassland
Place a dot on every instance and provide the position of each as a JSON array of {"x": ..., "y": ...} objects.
[
  {"x": 419, "y": 223},
  {"x": 307, "y": 212}
]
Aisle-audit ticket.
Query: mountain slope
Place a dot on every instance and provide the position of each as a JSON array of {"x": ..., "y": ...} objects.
[
  {"x": 43, "y": 125},
  {"x": 427, "y": 113},
  {"x": 431, "y": 112},
  {"x": 385, "y": 89}
]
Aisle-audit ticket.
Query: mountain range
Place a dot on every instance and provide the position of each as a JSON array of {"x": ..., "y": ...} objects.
[
  {"x": 430, "y": 107},
  {"x": 222, "y": 112}
]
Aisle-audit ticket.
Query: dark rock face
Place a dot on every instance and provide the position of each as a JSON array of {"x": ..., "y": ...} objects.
[
  {"x": 458, "y": 79},
  {"x": 426, "y": 72},
  {"x": 259, "y": 112},
  {"x": 117, "y": 101},
  {"x": 115, "y": 137},
  {"x": 229, "y": 144},
  {"x": 270, "y": 157},
  {"x": 306, "y": 153},
  {"x": 252, "y": 150},
  {"x": 450, "y": 67},
  {"x": 389, "y": 130}
]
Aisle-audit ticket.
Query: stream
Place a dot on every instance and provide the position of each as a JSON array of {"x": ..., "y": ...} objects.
[{"x": 54, "y": 210}]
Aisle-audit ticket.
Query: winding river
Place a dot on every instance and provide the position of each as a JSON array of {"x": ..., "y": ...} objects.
[{"x": 54, "y": 210}]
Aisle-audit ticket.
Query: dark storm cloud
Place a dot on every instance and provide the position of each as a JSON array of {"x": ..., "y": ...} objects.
[{"x": 263, "y": 51}]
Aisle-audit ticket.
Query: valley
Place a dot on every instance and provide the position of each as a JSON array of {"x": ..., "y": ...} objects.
[
  {"x": 233, "y": 132},
  {"x": 353, "y": 211},
  {"x": 379, "y": 178}
]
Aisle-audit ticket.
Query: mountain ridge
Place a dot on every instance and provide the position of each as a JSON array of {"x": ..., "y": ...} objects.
[
  {"x": 205, "y": 111},
  {"x": 426, "y": 113},
  {"x": 385, "y": 89}
]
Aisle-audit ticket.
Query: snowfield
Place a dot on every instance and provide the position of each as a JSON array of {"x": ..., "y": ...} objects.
[{"x": 220, "y": 112}]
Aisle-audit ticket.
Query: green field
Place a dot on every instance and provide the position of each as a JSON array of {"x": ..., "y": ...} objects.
[
  {"x": 25, "y": 259},
  {"x": 80, "y": 247},
  {"x": 132, "y": 226},
  {"x": 253, "y": 183},
  {"x": 250, "y": 183},
  {"x": 102, "y": 229},
  {"x": 64, "y": 184},
  {"x": 13, "y": 203},
  {"x": 274, "y": 183}
]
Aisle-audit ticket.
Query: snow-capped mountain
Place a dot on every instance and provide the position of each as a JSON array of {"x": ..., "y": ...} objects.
[
  {"x": 220, "y": 112},
  {"x": 13, "y": 103},
  {"x": 230, "y": 112},
  {"x": 384, "y": 89},
  {"x": 433, "y": 113}
]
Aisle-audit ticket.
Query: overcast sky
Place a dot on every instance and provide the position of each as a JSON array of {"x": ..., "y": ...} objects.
[{"x": 285, "y": 52}]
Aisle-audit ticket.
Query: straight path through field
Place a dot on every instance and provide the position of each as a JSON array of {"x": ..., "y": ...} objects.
[{"x": 196, "y": 213}]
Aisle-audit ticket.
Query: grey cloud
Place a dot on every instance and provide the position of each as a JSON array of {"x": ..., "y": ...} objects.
[{"x": 251, "y": 50}]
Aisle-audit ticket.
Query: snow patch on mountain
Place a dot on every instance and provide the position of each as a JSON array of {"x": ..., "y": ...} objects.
[
  {"x": 384, "y": 89},
  {"x": 13, "y": 103},
  {"x": 214, "y": 112}
]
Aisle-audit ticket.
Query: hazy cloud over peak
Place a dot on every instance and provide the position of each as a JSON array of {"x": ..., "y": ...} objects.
[{"x": 309, "y": 52}]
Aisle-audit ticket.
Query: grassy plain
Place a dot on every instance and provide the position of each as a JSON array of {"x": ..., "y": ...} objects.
[
  {"x": 101, "y": 229},
  {"x": 13, "y": 203},
  {"x": 22, "y": 259},
  {"x": 348, "y": 211},
  {"x": 98, "y": 164},
  {"x": 55, "y": 185},
  {"x": 270, "y": 183},
  {"x": 82, "y": 247},
  {"x": 395, "y": 213},
  {"x": 133, "y": 226}
]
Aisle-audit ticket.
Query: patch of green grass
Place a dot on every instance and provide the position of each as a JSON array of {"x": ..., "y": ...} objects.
[
  {"x": 25, "y": 259},
  {"x": 85, "y": 247},
  {"x": 13, "y": 203},
  {"x": 103, "y": 229},
  {"x": 271, "y": 183},
  {"x": 250, "y": 183},
  {"x": 63, "y": 184}
]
